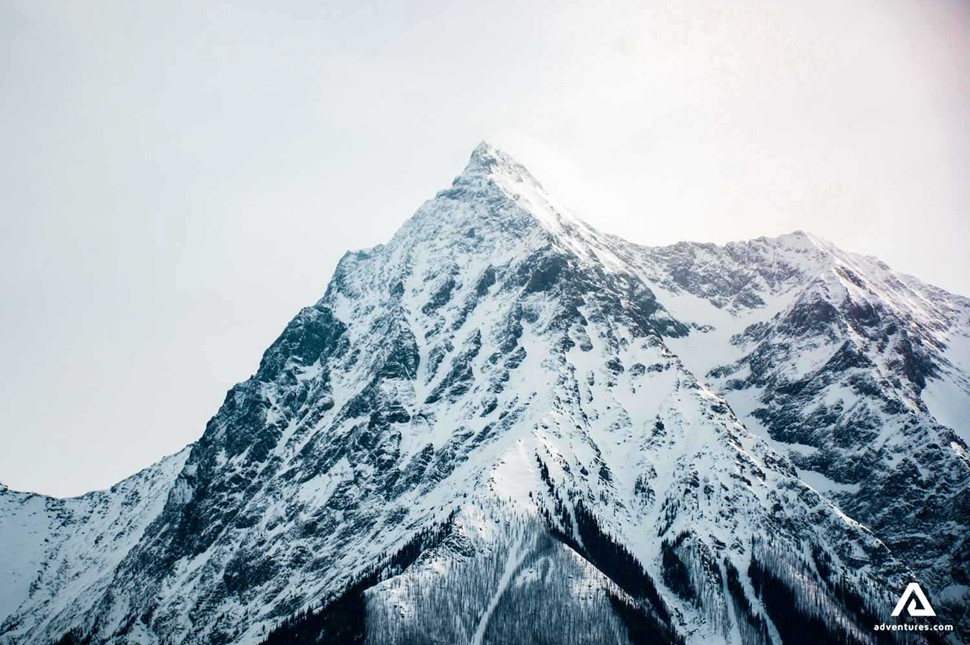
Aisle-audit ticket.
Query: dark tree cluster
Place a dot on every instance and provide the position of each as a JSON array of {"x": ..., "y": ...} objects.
[{"x": 342, "y": 618}]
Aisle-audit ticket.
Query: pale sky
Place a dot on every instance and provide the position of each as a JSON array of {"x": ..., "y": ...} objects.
[{"x": 179, "y": 179}]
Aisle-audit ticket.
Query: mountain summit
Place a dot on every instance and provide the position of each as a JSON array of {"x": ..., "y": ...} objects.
[
  {"x": 504, "y": 426},
  {"x": 486, "y": 159}
]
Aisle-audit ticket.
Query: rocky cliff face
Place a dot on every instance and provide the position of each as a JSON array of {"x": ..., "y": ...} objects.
[{"x": 506, "y": 426}]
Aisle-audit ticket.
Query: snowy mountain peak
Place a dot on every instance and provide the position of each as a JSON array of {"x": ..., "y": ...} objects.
[
  {"x": 497, "y": 202},
  {"x": 490, "y": 169},
  {"x": 488, "y": 160},
  {"x": 802, "y": 239},
  {"x": 550, "y": 435}
]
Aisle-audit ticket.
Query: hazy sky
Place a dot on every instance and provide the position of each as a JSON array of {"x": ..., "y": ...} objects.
[{"x": 178, "y": 179}]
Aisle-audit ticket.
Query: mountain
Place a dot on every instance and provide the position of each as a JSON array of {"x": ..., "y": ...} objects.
[
  {"x": 859, "y": 375},
  {"x": 505, "y": 426}
]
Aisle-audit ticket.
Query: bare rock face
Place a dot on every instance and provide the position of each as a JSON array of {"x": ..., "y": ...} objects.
[{"x": 504, "y": 426}]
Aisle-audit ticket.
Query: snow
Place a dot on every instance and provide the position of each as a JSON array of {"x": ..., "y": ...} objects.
[
  {"x": 24, "y": 526},
  {"x": 823, "y": 484},
  {"x": 653, "y": 452},
  {"x": 515, "y": 476},
  {"x": 317, "y": 490},
  {"x": 55, "y": 550},
  {"x": 948, "y": 397},
  {"x": 515, "y": 559}
]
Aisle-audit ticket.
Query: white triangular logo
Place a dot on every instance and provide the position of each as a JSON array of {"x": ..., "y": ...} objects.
[{"x": 923, "y": 609}]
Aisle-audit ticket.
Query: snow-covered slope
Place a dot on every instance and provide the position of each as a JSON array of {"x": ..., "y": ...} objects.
[
  {"x": 59, "y": 554},
  {"x": 503, "y": 415},
  {"x": 855, "y": 372}
]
